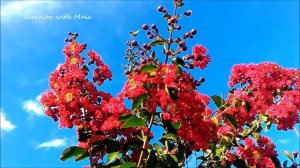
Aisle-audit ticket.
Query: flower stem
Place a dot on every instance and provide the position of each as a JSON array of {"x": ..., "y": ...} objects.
[
  {"x": 145, "y": 141},
  {"x": 171, "y": 34}
]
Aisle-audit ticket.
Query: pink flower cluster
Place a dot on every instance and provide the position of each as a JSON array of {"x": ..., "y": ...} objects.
[
  {"x": 174, "y": 91},
  {"x": 257, "y": 155},
  {"x": 267, "y": 89}
]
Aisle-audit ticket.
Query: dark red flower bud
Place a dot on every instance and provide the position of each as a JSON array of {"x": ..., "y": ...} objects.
[
  {"x": 188, "y": 13},
  {"x": 172, "y": 20},
  {"x": 191, "y": 66},
  {"x": 127, "y": 72},
  {"x": 84, "y": 45},
  {"x": 134, "y": 43},
  {"x": 147, "y": 46},
  {"x": 144, "y": 61},
  {"x": 70, "y": 33},
  {"x": 153, "y": 26},
  {"x": 150, "y": 36},
  {"x": 197, "y": 83},
  {"x": 160, "y": 8},
  {"x": 164, "y": 10},
  {"x": 145, "y": 27},
  {"x": 135, "y": 70},
  {"x": 186, "y": 35},
  {"x": 202, "y": 80},
  {"x": 295, "y": 154},
  {"x": 181, "y": 43},
  {"x": 193, "y": 31},
  {"x": 178, "y": 27}
]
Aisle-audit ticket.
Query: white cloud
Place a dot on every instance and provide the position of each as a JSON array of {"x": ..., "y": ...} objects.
[
  {"x": 283, "y": 141},
  {"x": 55, "y": 143},
  {"x": 26, "y": 7},
  {"x": 34, "y": 107},
  {"x": 6, "y": 125}
]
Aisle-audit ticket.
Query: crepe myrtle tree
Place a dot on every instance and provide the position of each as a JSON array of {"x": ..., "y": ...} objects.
[{"x": 164, "y": 94}]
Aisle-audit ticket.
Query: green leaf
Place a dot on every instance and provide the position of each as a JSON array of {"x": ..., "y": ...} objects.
[
  {"x": 172, "y": 92},
  {"x": 217, "y": 100},
  {"x": 128, "y": 165},
  {"x": 178, "y": 61},
  {"x": 174, "y": 158},
  {"x": 171, "y": 137},
  {"x": 262, "y": 118},
  {"x": 132, "y": 144},
  {"x": 157, "y": 42},
  {"x": 148, "y": 68},
  {"x": 178, "y": 71},
  {"x": 219, "y": 152},
  {"x": 124, "y": 117},
  {"x": 139, "y": 100},
  {"x": 133, "y": 121},
  {"x": 81, "y": 157},
  {"x": 176, "y": 125},
  {"x": 288, "y": 154},
  {"x": 71, "y": 152},
  {"x": 134, "y": 33},
  {"x": 230, "y": 118},
  {"x": 112, "y": 156},
  {"x": 145, "y": 115},
  {"x": 276, "y": 161},
  {"x": 269, "y": 124},
  {"x": 248, "y": 106},
  {"x": 158, "y": 148}
]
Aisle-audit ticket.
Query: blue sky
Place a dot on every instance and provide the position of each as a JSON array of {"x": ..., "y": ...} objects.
[{"x": 233, "y": 32}]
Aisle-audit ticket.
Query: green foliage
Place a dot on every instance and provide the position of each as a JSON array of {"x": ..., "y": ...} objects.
[
  {"x": 231, "y": 120},
  {"x": 139, "y": 100},
  {"x": 217, "y": 100},
  {"x": 178, "y": 61},
  {"x": 73, "y": 151},
  {"x": 148, "y": 68},
  {"x": 112, "y": 156},
  {"x": 172, "y": 93},
  {"x": 288, "y": 154},
  {"x": 158, "y": 42},
  {"x": 133, "y": 121}
]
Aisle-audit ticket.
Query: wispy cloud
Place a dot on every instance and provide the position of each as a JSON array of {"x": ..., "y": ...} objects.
[
  {"x": 21, "y": 8},
  {"x": 33, "y": 107},
  {"x": 55, "y": 143},
  {"x": 283, "y": 141},
  {"x": 6, "y": 125}
]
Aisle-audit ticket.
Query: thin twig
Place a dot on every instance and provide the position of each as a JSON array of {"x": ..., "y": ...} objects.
[{"x": 297, "y": 132}]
